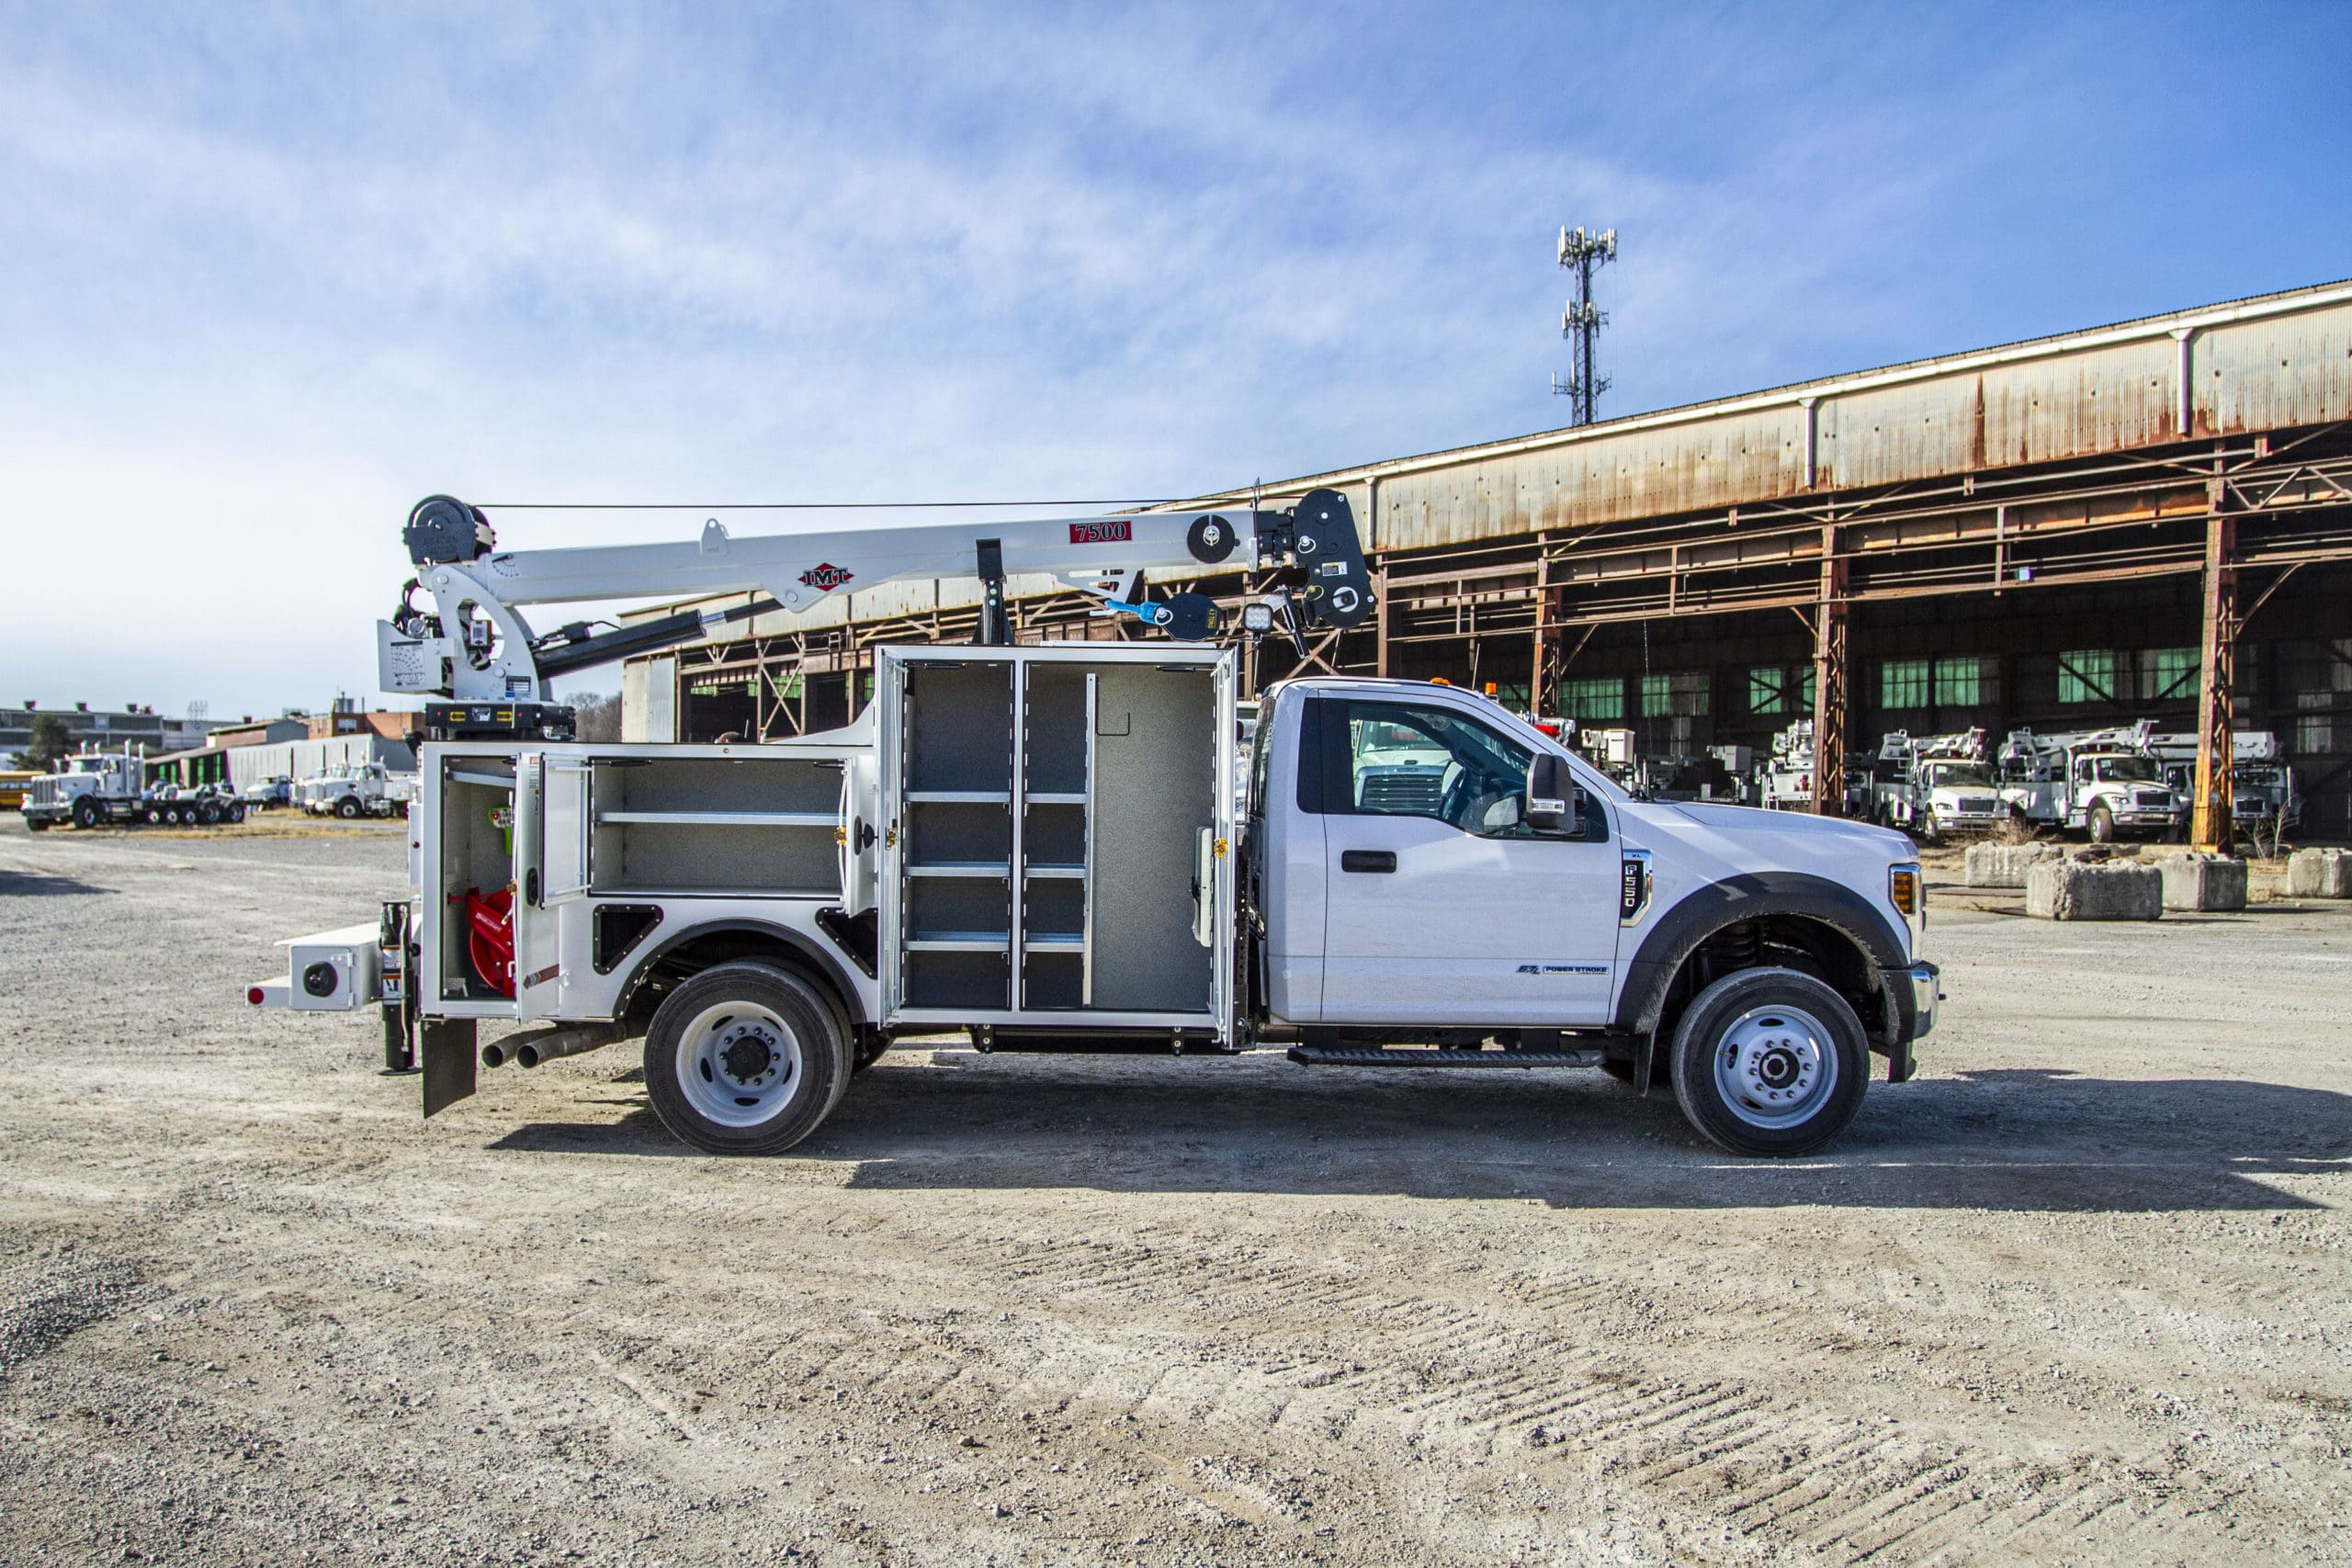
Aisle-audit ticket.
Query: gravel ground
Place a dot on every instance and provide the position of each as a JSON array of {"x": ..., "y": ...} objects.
[{"x": 2081, "y": 1291}]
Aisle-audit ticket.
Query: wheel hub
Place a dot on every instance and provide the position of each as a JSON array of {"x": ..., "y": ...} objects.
[
  {"x": 1775, "y": 1066},
  {"x": 747, "y": 1055}
]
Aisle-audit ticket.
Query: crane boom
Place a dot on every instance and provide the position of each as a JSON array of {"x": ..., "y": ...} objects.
[{"x": 475, "y": 645}]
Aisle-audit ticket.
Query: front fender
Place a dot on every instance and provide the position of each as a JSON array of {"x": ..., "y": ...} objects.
[{"x": 1705, "y": 910}]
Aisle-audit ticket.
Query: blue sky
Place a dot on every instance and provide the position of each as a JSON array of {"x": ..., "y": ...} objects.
[{"x": 271, "y": 274}]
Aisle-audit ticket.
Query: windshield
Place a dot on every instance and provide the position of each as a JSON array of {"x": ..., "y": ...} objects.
[
  {"x": 2119, "y": 770},
  {"x": 1950, "y": 775}
]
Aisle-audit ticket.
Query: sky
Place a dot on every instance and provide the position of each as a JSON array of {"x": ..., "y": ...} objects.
[{"x": 270, "y": 273}]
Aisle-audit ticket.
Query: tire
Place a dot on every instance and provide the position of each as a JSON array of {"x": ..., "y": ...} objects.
[
  {"x": 154, "y": 815},
  {"x": 85, "y": 812},
  {"x": 347, "y": 809},
  {"x": 36, "y": 824},
  {"x": 768, "y": 1025},
  {"x": 1930, "y": 831},
  {"x": 1769, "y": 1062},
  {"x": 237, "y": 812},
  {"x": 2102, "y": 823},
  {"x": 207, "y": 814}
]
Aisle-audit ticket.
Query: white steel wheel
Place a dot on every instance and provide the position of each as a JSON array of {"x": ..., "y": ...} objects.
[
  {"x": 1769, "y": 1062},
  {"x": 745, "y": 1058}
]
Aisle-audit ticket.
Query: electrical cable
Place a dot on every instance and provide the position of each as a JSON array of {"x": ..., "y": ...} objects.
[{"x": 793, "y": 505}]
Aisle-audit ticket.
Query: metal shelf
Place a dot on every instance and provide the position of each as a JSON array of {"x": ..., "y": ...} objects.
[
  {"x": 1043, "y": 870},
  {"x": 959, "y": 797},
  {"x": 1072, "y": 942},
  {"x": 1002, "y": 869},
  {"x": 1056, "y": 797},
  {"x": 728, "y": 818},
  {"x": 961, "y": 942}
]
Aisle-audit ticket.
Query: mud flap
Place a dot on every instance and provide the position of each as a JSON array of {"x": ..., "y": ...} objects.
[
  {"x": 449, "y": 1046},
  {"x": 1644, "y": 1054}
]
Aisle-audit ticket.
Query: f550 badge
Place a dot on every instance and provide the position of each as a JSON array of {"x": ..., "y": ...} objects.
[{"x": 1634, "y": 889}]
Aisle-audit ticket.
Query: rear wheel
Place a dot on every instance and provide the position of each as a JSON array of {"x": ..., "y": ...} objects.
[
  {"x": 1769, "y": 1062},
  {"x": 237, "y": 812},
  {"x": 745, "y": 1059},
  {"x": 207, "y": 814},
  {"x": 154, "y": 814}
]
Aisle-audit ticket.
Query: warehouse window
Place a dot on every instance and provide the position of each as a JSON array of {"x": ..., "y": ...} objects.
[
  {"x": 2168, "y": 674},
  {"x": 1602, "y": 697},
  {"x": 1767, "y": 689},
  {"x": 1684, "y": 693},
  {"x": 1903, "y": 683},
  {"x": 2087, "y": 675},
  {"x": 1958, "y": 683}
]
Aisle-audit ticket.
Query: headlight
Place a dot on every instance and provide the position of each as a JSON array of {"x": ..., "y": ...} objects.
[{"x": 1905, "y": 890}]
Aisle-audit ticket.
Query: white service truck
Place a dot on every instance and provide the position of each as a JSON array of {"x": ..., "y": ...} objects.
[
  {"x": 2103, "y": 783},
  {"x": 1039, "y": 846}
]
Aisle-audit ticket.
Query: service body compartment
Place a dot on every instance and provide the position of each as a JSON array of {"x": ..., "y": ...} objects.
[
  {"x": 582, "y": 858},
  {"x": 1057, "y": 836}
]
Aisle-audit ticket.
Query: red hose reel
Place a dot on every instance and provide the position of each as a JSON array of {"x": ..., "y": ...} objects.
[{"x": 490, "y": 937}]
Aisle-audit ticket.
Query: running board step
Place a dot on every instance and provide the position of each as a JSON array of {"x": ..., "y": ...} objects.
[{"x": 1417, "y": 1056}]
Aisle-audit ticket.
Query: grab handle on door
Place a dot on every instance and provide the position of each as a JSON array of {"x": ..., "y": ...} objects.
[{"x": 1367, "y": 859}]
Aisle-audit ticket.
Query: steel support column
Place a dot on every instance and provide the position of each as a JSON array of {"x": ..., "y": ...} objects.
[
  {"x": 1830, "y": 681},
  {"x": 2214, "y": 829}
]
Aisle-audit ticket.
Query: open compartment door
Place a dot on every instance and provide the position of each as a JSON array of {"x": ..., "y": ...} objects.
[{"x": 551, "y": 822}]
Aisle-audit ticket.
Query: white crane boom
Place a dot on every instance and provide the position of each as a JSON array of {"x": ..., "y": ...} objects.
[{"x": 475, "y": 645}]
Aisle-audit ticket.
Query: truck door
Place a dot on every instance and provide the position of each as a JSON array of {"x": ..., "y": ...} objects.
[
  {"x": 1441, "y": 906},
  {"x": 550, "y": 872}
]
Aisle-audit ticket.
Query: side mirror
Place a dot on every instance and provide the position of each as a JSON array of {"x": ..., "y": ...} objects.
[{"x": 1554, "y": 803}]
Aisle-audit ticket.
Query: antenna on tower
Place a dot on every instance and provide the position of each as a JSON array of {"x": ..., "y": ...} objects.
[{"x": 1582, "y": 250}]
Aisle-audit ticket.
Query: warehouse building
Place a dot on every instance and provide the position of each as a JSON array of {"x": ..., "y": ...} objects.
[{"x": 2062, "y": 533}]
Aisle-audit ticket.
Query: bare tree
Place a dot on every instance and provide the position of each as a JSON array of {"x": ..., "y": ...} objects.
[{"x": 597, "y": 717}]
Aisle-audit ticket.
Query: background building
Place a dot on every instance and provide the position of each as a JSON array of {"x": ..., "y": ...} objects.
[
  {"x": 108, "y": 729},
  {"x": 2058, "y": 533}
]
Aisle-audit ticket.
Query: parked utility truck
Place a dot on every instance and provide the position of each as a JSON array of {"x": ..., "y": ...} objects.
[
  {"x": 2262, "y": 786},
  {"x": 1935, "y": 785},
  {"x": 108, "y": 787},
  {"x": 1038, "y": 846},
  {"x": 2104, "y": 783}
]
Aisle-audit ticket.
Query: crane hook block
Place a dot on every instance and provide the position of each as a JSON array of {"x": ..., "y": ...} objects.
[
  {"x": 443, "y": 528},
  {"x": 1338, "y": 590}
]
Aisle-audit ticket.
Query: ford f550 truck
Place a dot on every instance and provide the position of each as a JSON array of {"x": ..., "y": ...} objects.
[{"x": 1041, "y": 846}]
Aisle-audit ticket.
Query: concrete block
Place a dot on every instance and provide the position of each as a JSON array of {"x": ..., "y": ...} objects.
[
  {"x": 2319, "y": 873},
  {"x": 2203, "y": 882},
  {"x": 2005, "y": 866},
  {"x": 2075, "y": 890}
]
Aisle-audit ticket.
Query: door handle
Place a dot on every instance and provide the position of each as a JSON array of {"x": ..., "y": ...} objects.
[{"x": 1367, "y": 859}]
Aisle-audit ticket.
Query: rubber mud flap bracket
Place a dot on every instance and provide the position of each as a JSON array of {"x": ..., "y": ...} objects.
[{"x": 449, "y": 1047}]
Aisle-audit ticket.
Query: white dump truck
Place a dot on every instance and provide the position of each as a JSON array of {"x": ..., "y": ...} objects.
[
  {"x": 1935, "y": 785},
  {"x": 351, "y": 790},
  {"x": 1038, "y": 846},
  {"x": 2104, "y": 783}
]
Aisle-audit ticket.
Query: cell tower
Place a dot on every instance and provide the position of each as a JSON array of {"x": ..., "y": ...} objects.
[{"x": 1581, "y": 251}]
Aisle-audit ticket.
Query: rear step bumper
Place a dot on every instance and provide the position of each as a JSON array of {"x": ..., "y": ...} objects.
[{"x": 1417, "y": 1056}]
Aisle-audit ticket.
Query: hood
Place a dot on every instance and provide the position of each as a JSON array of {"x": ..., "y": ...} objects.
[{"x": 1747, "y": 821}]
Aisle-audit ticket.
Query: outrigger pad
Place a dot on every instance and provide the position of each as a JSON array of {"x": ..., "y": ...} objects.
[
  {"x": 449, "y": 1047},
  {"x": 1338, "y": 591}
]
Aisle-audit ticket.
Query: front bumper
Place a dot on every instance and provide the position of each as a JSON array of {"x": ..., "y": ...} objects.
[{"x": 1926, "y": 989}]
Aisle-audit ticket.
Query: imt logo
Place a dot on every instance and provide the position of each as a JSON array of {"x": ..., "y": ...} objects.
[{"x": 825, "y": 578}]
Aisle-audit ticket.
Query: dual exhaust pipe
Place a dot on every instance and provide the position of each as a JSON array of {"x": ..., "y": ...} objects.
[{"x": 529, "y": 1047}]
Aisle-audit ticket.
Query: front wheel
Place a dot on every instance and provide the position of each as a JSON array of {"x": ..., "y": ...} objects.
[
  {"x": 347, "y": 809},
  {"x": 2102, "y": 824},
  {"x": 36, "y": 824},
  {"x": 1769, "y": 1062},
  {"x": 745, "y": 1059},
  {"x": 85, "y": 813}
]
